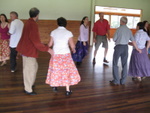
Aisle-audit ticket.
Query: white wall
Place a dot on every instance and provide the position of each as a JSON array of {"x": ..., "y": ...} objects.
[
  {"x": 132, "y": 4},
  {"x": 49, "y": 9},
  {"x": 70, "y": 9}
]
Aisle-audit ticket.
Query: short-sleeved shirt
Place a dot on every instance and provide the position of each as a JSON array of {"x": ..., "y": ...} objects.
[
  {"x": 15, "y": 30},
  {"x": 141, "y": 37},
  {"x": 122, "y": 35},
  {"x": 101, "y": 27},
  {"x": 84, "y": 33},
  {"x": 61, "y": 38}
]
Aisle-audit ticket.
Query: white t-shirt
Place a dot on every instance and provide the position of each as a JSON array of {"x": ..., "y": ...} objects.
[
  {"x": 61, "y": 37},
  {"x": 15, "y": 30},
  {"x": 141, "y": 37}
]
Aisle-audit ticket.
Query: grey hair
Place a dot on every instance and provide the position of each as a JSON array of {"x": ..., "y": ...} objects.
[{"x": 124, "y": 19}]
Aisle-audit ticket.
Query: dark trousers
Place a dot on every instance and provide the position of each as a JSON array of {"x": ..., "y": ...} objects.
[
  {"x": 13, "y": 55},
  {"x": 120, "y": 51}
]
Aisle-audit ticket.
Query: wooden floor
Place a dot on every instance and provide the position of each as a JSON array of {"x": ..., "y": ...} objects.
[{"x": 93, "y": 94}]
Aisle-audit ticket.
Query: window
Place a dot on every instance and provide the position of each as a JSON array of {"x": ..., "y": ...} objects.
[
  {"x": 113, "y": 16},
  {"x": 115, "y": 21}
]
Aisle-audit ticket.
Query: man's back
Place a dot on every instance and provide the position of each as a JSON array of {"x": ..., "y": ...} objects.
[
  {"x": 123, "y": 35},
  {"x": 15, "y": 30}
]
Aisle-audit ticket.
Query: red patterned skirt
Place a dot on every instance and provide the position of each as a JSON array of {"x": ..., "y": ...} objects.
[
  {"x": 4, "y": 50},
  {"x": 62, "y": 71}
]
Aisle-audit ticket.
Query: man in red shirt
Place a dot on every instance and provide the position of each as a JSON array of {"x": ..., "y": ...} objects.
[
  {"x": 101, "y": 33},
  {"x": 29, "y": 46}
]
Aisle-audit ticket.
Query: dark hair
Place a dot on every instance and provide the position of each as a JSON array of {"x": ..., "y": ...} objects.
[
  {"x": 15, "y": 13},
  {"x": 82, "y": 22},
  {"x": 144, "y": 22},
  {"x": 33, "y": 12},
  {"x": 147, "y": 31},
  {"x": 140, "y": 25},
  {"x": 62, "y": 22},
  {"x": 6, "y": 20}
]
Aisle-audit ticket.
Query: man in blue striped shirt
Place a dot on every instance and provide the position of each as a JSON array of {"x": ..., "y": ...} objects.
[{"x": 121, "y": 38}]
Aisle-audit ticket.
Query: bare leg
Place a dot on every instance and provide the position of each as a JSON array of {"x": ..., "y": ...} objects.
[
  {"x": 95, "y": 52},
  {"x": 67, "y": 88},
  {"x": 68, "y": 91},
  {"x": 105, "y": 52},
  {"x": 3, "y": 63}
]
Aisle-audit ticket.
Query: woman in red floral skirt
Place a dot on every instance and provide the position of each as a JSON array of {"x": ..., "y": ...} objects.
[{"x": 62, "y": 70}]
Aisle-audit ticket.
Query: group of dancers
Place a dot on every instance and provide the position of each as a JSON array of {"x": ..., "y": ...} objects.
[{"x": 62, "y": 70}]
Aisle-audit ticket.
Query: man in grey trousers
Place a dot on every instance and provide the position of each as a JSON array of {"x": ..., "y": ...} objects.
[{"x": 121, "y": 38}]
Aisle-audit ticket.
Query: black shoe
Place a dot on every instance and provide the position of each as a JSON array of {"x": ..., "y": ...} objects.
[
  {"x": 112, "y": 83},
  {"x": 133, "y": 78},
  {"x": 55, "y": 89},
  {"x": 122, "y": 84},
  {"x": 33, "y": 86},
  {"x": 94, "y": 61},
  {"x": 68, "y": 93},
  {"x": 30, "y": 93},
  {"x": 78, "y": 63},
  {"x": 105, "y": 61}
]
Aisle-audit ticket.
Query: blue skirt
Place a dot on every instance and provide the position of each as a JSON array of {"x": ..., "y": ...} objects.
[
  {"x": 81, "y": 52},
  {"x": 139, "y": 64}
]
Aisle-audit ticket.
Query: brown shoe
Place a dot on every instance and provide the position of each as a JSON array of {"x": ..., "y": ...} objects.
[{"x": 113, "y": 84}]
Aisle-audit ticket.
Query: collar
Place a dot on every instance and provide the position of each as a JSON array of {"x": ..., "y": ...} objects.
[
  {"x": 61, "y": 27},
  {"x": 31, "y": 19}
]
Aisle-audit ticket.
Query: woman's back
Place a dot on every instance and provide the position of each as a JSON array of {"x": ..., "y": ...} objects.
[
  {"x": 61, "y": 37},
  {"x": 141, "y": 37}
]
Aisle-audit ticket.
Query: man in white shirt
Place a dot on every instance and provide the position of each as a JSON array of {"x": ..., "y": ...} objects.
[{"x": 15, "y": 32}]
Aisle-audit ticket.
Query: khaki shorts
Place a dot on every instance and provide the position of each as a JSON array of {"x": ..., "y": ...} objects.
[{"x": 99, "y": 40}]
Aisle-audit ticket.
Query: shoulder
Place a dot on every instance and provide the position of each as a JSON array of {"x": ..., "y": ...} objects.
[
  {"x": 18, "y": 22},
  {"x": 69, "y": 32},
  {"x": 82, "y": 26},
  {"x": 8, "y": 25},
  {"x": 105, "y": 20},
  {"x": 31, "y": 23},
  {"x": 97, "y": 22},
  {"x": 55, "y": 30}
]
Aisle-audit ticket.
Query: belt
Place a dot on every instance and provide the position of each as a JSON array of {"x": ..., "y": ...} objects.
[{"x": 101, "y": 35}]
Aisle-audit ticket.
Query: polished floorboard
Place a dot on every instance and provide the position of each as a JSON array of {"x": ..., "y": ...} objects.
[{"x": 93, "y": 94}]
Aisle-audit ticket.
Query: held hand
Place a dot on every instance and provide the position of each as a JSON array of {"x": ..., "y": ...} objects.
[
  {"x": 94, "y": 40},
  {"x": 84, "y": 43},
  {"x": 130, "y": 43},
  {"x": 50, "y": 51},
  {"x": 140, "y": 51},
  {"x": 73, "y": 50},
  {"x": 108, "y": 38}
]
